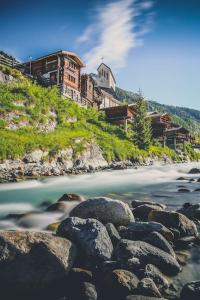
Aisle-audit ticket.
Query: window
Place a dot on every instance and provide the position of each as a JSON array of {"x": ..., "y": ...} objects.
[
  {"x": 72, "y": 65},
  {"x": 72, "y": 79},
  {"x": 107, "y": 76}
]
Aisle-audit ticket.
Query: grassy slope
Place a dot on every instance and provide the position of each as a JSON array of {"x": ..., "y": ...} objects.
[
  {"x": 38, "y": 105},
  {"x": 186, "y": 117}
]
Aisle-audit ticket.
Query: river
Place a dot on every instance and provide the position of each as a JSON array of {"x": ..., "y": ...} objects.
[{"x": 157, "y": 183}]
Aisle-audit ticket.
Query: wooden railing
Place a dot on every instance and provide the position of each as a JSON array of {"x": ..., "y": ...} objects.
[{"x": 10, "y": 62}]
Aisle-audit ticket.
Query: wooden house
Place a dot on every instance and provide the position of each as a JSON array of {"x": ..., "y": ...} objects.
[
  {"x": 61, "y": 68},
  {"x": 120, "y": 114}
]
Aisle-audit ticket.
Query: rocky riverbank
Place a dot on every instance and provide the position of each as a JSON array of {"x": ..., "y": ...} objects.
[
  {"x": 104, "y": 249},
  {"x": 42, "y": 163}
]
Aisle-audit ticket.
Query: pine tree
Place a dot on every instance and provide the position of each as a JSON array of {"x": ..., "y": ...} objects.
[{"x": 141, "y": 124}]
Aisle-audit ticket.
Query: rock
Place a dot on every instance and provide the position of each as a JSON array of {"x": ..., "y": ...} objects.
[
  {"x": 90, "y": 235},
  {"x": 105, "y": 210},
  {"x": 147, "y": 254},
  {"x": 113, "y": 233},
  {"x": 139, "y": 297},
  {"x": 136, "y": 203},
  {"x": 156, "y": 239},
  {"x": 185, "y": 242},
  {"x": 154, "y": 273},
  {"x": 58, "y": 207},
  {"x": 147, "y": 287},
  {"x": 120, "y": 283},
  {"x": 191, "y": 291},
  {"x": 53, "y": 226},
  {"x": 141, "y": 212},
  {"x": 140, "y": 230},
  {"x": 132, "y": 265},
  {"x": 197, "y": 190},
  {"x": 31, "y": 262},
  {"x": 192, "y": 211},
  {"x": 34, "y": 157},
  {"x": 83, "y": 291},
  {"x": 194, "y": 171},
  {"x": 181, "y": 178},
  {"x": 174, "y": 220},
  {"x": 183, "y": 190},
  {"x": 71, "y": 197}
]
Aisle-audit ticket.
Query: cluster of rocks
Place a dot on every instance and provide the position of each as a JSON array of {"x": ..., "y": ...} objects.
[
  {"x": 105, "y": 249},
  {"x": 182, "y": 188}
]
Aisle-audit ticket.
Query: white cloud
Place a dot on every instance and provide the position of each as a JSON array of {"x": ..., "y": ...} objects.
[{"x": 114, "y": 32}]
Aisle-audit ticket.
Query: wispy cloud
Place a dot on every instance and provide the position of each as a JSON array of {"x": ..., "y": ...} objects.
[{"x": 114, "y": 31}]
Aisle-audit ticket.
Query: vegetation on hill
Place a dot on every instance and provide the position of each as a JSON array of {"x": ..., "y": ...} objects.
[
  {"x": 33, "y": 117},
  {"x": 186, "y": 117}
]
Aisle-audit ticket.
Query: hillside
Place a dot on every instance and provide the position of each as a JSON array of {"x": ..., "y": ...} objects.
[{"x": 186, "y": 117}]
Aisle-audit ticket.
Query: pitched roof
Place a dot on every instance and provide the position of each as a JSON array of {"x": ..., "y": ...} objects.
[
  {"x": 65, "y": 53},
  {"x": 109, "y": 69}
]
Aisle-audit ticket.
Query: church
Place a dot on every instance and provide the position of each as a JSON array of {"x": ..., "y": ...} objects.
[{"x": 106, "y": 82}]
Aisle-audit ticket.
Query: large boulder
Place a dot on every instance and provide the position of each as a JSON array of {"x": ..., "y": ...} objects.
[
  {"x": 140, "y": 230},
  {"x": 147, "y": 254},
  {"x": 174, "y": 220},
  {"x": 191, "y": 291},
  {"x": 156, "y": 239},
  {"x": 32, "y": 262},
  {"x": 90, "y": 235},
  {"x": 141, "y": 212},
  {"x": 105, "y": 210}
]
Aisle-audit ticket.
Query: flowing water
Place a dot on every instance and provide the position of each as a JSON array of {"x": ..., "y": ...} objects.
[{"x": 156, "y": 183}]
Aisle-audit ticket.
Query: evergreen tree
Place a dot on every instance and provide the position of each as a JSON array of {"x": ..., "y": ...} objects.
[{"x": 141, "y": 124}]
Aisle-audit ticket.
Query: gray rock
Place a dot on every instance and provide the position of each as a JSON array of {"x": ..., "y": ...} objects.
[
  {"x": 154, "y": 273},
  {"x": 136, "y": 203},
  {"x": 191, "y": 291},
  {"x": 84, "y": 291},
  {"x": 132, "y": 265},
  {"x": 113, "y": 233},
  {"x": 105, "y": 210},
  {"x": 120, "y": 283},
  {"x": 61, "y": 206},
  {"x": 194, "y": 171},
  {"x": 174, "y": 220},
  {"x": 156, "y": 239},
  {"x": 139, "y": 297},
  {"x": 147, "y": 254},
  {"x": 183, "y": 190},
  {"x": 147, "y": 287},
  {"x": 140, "y": 230},
  {"x": 90, "y": 235},
  {"x": 31, "y": 261},
  {"x": 192, "y": 211},
  {"x": 71, "y": 197}
]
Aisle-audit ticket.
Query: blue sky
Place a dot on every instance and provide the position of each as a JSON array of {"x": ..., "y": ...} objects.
[{"x": 152, "y": 45}]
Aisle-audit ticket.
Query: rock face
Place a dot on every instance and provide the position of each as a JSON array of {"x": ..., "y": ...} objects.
[
  {"x": 147, "y": 254},
  {"x": 191, "y": 291},
  {"x": 105, "y": 210},
  {"x": 32, "y": 261},
  {"x": 174, "y": 220},
  {"x": 90, "y": 235},
  {"x": 140, "y": 230}
]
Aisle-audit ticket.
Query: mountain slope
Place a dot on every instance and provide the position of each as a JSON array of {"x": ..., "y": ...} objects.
[{"x": 186, "y": 117}]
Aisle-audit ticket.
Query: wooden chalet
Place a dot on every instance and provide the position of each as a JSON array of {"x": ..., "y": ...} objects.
[
  {"x": 167, "y": 132},
  {"x": 120, "y": 114},
  {"x": 61, "y": 68}
]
